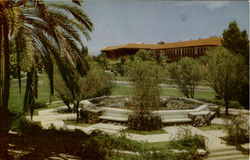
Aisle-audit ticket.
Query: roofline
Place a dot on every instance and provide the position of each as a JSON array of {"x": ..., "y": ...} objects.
[{"x": 163, "y": 46}]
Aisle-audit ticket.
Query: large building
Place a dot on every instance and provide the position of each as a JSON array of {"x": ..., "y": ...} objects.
[{"x": 175, "y": 50}]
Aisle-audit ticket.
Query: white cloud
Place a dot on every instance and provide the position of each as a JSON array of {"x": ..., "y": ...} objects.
[
  {"x": 209, "y": 4},
  {"x": 214, "y": 4}
]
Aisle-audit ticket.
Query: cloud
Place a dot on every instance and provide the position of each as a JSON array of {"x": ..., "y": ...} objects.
[
  {"x": 211, "y": 5},
  {"x": 214, "y": 4},
  {"x": 183, "y": 17}
]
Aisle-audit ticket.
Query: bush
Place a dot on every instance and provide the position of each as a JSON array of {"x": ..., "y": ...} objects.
[
  {"x": 235, "y": 104},
  {"x": 93, "y": 150},
  {"x": 185, "y": 140},
  {"x": 237, "y": 131},
  {"x": 144, "y": 122},
  {"x": 96, "y": 83}
]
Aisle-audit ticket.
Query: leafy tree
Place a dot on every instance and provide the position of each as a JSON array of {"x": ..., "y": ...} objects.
[
  {"x": 146, "y": 77},
  {"x": 102, "y": 61},
  {"x": 146, "y": 55},
  {"x": 237, "y": 42},
  {"x": 161, "y": 42},
  {"x": 96, "y": 83},
  {"x": 37, "y": 28},
  {"x": 186, "y": 74},
  {"x": 63, "y": 91},
  {"x": 225, "y": 73}
]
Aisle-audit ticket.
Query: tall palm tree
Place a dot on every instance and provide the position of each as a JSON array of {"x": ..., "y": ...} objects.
[{"x": 48, "y": 31}]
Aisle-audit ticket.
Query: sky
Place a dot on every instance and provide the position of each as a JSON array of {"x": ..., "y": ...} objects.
[{"x": 119, "y": 22}]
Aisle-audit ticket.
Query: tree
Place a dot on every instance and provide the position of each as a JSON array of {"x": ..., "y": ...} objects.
[
  {"x": 186, "y": 74},
  {"x": 102, "y": 61},
  {"x": 45, "y": 30},
  {"x": 237, "y": 42},
  {"x": 63, "y": 91},
  {"x": 96, "y": 83},
  {"x": 161, "y": 42},
  {"x": 146, "y": 55},
  {"x": 146, "y": 77},
  {"x": 225, "y": 73}
]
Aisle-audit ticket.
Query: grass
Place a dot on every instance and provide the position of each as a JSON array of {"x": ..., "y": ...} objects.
[
  {"x": 144, "y": 132},
  {"x": 212, "y": 127},
  {"x": 199, "y": 94},
  {"x": 166, "y": 81},
  {"x": 157, "y": 145},
  {"x": 16, "y": 99},
  {"x": 76, "y": 124}
]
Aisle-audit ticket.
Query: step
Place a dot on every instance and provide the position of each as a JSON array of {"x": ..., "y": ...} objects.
[
  {"x": 111, "y": 118},
  {"x": 176, "y": 120},
  {"x": 231, "y": 148},
  {"x": 229, "y": 157},
  {"x": 224, "y": 153}
]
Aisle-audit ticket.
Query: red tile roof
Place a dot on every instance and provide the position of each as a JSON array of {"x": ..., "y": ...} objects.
[{"x": 212, "y": 41}]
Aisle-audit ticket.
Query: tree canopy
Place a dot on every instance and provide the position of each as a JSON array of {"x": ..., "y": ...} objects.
[
  {"x": 235, "y": 40},
  {"x": 146, "y": 77},
  {"x": 39, "y": 30},
  {"x": 186, "y": 73},
  {"x": 225, "y": 73}
]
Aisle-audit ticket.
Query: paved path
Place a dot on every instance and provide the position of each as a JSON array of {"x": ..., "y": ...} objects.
[
  {"x": 213, "y": 142},
  {"x": 50, "y": 116}
]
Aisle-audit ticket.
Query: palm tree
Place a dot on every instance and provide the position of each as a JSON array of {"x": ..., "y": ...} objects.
[{"x": 50, "y": 32}]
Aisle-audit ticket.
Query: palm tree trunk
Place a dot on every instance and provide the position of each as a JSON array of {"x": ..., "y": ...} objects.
[
  {"x": 4, "y": 88},
  {"x": 226, "y": 105},
  {"x": 77, "y": 112}
]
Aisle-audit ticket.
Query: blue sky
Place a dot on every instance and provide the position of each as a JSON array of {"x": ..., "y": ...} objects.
[{"x": 120, "y": 21}]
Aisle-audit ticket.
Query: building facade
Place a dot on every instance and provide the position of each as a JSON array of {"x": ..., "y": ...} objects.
[{"x": 174, "y": 51}]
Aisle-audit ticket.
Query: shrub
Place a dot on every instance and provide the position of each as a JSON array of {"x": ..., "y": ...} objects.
[
  {"x": 235, "y": 104},
  {"x": 96, "y": 83},
  {"x": 144, "y": 122},
  {"x": 93, "y": 150},
  {"x": 237, "y": 131},
  {"x": 185, "y": 140}
]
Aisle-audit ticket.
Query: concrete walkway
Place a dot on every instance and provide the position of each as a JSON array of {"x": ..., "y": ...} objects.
[{"x": 52, "y": 117}]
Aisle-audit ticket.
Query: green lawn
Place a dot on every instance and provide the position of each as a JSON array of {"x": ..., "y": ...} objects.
[
  {"x": 16, "y": 99},
  {"x": 126, "y": 90},
  {"x": 77, "y": 124},
  {"x": 166, "y": 81},
  {"x": 213, "y": 127}
]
